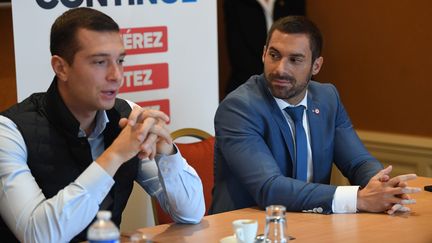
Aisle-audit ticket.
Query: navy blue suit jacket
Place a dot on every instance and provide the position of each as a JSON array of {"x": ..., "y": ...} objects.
[{"x": 254, "y": 147}]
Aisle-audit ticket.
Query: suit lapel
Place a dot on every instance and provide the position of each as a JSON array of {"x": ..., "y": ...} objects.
[
  {"x": 280, "y": 120},
  {"x": 315, "y": 119},
  {"x": 285, "y": 130}
]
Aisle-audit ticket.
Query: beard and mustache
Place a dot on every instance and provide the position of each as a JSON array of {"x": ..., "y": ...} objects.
[{"x": 286, "y": 92}]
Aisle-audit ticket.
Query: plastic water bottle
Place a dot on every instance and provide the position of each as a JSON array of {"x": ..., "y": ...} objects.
[{"x": 103, "y": 230}]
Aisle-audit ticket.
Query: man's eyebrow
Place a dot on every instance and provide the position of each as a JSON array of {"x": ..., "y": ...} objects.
[
  {"x": 297, "y": 55},
  {"x": 271, "y": 48},
  {"x": 102, "y": 54},
  {"x": 99, "y": 55},
  {"x": 291, "y": 55}
]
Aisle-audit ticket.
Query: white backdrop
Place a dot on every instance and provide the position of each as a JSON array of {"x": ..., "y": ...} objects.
[
  {"x": 173, "y": 66},
  {"x": 190, "y": 53}
]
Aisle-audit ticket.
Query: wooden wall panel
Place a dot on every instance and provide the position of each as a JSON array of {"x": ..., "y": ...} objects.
[
  {"x": 7, "y": 61},
  {"x": 378, "y": 54}
]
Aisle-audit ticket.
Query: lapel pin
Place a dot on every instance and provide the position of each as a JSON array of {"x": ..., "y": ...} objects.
[{"x": 316, "y": 111}]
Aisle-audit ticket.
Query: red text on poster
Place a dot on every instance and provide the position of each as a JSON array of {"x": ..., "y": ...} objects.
[
  {"x": 162, "y": 105},
  {"x": 145, "y": 39},
  {"x": 145, "y": 77}
]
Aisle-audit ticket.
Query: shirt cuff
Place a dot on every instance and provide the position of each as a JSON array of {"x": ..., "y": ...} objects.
[
  {"x": 170, "y": 165},
  {"x": 345, "y": 199},
  {"x": 96, "y": 181}
]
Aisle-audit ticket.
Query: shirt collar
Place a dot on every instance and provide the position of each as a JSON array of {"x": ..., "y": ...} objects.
[
  {"x": 283, "y": 104},
  {"x": 101, "y": 121}
]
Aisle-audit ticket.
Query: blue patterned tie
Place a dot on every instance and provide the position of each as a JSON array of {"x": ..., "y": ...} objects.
[{"x": 296, "y": 114}]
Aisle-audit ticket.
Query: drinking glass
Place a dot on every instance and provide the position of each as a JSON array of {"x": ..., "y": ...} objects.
[{"x": 275, "y": 227}]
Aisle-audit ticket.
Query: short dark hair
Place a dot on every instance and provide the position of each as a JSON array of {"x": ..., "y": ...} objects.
[
  {"x": 299, "y": 25},
  {"x": 63, "y": 40}
]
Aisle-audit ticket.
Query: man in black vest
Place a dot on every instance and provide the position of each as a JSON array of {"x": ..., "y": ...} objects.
[{"x": 76, "y": 149}]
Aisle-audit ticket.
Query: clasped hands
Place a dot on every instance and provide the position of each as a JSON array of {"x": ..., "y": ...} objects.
[
  {"x": 144, "y": 133},
  {"x": 385, "y": 194}
]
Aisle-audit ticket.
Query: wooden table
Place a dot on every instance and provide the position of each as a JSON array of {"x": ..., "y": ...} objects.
[{"x": 415, "y": 226}]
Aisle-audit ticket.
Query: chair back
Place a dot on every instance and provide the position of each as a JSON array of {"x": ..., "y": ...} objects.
[{"x": 200, "y": 155}]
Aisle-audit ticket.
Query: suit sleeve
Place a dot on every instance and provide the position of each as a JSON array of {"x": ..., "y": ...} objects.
[{"x": 242, "y": 132}]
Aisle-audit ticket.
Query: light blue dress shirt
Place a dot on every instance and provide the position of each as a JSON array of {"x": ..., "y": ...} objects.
[{"x": 34, "y": 218}]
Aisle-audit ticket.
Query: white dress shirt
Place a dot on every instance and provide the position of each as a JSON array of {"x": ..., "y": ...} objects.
[
  {"x": 345, "y": 197},
  {"x": 267, "y": 6},
  {"x": 34, "y": 218}
]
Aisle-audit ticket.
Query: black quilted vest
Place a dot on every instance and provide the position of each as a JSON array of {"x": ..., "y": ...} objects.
[{"x": 56, "y": 156}]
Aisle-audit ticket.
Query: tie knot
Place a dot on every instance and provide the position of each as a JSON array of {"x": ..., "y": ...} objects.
[{"x": 296, "y": 113}]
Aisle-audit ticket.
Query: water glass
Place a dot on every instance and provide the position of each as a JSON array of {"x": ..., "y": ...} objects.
[{"x": 275, "y": 227}]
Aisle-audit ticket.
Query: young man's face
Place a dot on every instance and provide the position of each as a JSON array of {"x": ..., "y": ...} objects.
[
  {"x": 93, "y": 80},
  {"x": 288, "y": 65}
]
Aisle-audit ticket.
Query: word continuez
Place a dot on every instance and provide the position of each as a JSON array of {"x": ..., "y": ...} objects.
[{"x": 50, "y": 4}]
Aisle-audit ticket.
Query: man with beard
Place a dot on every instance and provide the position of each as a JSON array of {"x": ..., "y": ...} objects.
[
  {"x": 278, "y": 134},
  {"x": 246, "y": 25}
]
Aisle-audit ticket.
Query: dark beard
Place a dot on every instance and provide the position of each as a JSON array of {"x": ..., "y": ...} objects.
[{"x": 283, "y": 92}]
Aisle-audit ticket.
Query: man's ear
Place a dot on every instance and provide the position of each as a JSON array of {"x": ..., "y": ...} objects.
[
  {"x": 316, "y": 66},
  {"x": 60, "y": 67}
]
